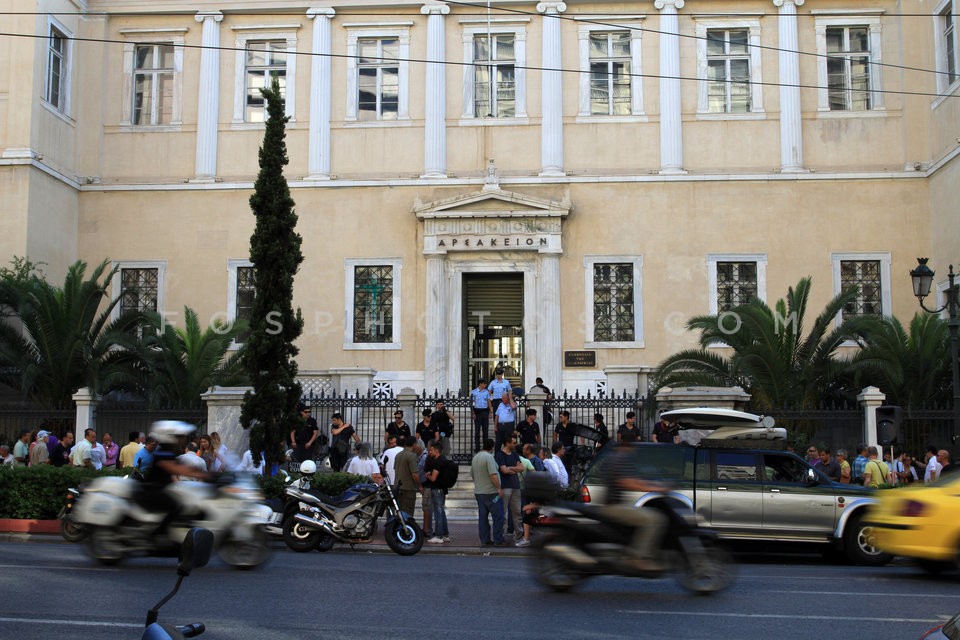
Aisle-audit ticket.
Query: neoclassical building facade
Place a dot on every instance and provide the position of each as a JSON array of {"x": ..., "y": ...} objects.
[{"x": 550, "y": 187}]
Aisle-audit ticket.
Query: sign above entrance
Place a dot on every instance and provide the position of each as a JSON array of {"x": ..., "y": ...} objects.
[
  {"x": 579, "y": 359},
  {"x": 479, "y": 243}
]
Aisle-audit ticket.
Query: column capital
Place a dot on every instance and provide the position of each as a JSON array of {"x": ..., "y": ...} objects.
[
  {"x": 780, "y": 3},
  {"x": 662, "y": 4},
  {"x": 209, "y": 15},
  {"x": 435, "y": 9},
  {"x": 551, "y": 7},
  {"x": 321, "y": 12}
]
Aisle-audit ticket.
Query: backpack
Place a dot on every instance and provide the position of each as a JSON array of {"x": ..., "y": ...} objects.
[{"x": 448, "y": 475}]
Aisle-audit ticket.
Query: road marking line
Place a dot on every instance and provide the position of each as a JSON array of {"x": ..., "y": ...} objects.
[
  {"x": 773, "y": 615},
  {"x": 81, "y": 623},
  {"x": 861, "y": 593}
]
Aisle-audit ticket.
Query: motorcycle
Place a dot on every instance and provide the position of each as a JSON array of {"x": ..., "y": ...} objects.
[
  {"x": 70, "y": 529},
  {"x": 230, "y": 508},
  {"x": 194, "y": 553},
  {"x": 322, "y": 520},
  {"x": 576, "y": 541}
]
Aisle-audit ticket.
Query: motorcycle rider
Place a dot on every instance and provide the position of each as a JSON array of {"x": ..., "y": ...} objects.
[
  {"x": 170, "y": 434},
  {"x": 620, "y": 477}
]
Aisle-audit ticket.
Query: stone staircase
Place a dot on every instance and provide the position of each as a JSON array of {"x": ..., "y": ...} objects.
[{"x": 461, "y": 505}]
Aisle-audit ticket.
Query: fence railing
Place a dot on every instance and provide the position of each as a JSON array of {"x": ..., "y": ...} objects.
[
  {"x": 118, "y": 418},
  {"x": 17, "y": 417}
]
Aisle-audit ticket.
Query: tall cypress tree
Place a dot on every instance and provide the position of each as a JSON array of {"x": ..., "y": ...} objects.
[{"x": 270, "y": 411}]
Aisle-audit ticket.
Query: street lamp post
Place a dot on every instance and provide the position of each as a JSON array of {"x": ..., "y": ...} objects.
[{"x": 922, "y": 278}]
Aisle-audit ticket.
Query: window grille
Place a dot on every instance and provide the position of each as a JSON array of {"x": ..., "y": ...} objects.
[
  {"x": 373, "y": 303},
  {"x": 613, "y": 303}
]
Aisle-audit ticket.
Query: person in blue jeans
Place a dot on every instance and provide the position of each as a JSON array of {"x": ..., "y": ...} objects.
[
  {"x": 438, "y": 495},
  {"x": 489, "y": 494}
]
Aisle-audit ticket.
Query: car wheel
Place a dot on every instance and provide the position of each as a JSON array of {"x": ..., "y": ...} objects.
[{"x": 860, "y": 546}]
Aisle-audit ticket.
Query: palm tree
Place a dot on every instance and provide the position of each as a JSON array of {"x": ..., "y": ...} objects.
[
  {"x": 912, "y": 369},
  {"x": 769, "y": 354},
  {"x": 56, "y": 340},
  {"x": 182, "y": 363}
]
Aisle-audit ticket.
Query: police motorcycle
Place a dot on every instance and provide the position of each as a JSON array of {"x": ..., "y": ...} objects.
[
  {"x": 120, "y": 523},
  {"x": 315, "y": 520},
  {"x": 194, "y": 553},
  {"x": 70, "y": 529},
  {"x": 576, "y": 541}
]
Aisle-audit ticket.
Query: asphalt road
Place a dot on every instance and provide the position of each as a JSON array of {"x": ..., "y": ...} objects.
[{"x": 54, "y": 591}]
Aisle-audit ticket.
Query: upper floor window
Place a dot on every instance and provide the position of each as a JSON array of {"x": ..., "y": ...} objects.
[
  {"x": 613, "y": 312},
  {"x": 266, "y": 61},
  {"x": 736, "y": 284},
  {"x": 139, "y": 289},
  {"x": 378, "y": 78},
  {"x": 610, "y": 73},
  {"x": 264, "y": 53},
  {"x": 378, "y": 71},
  {"x": 848, "y": 64},
  {"x": 153, "y": 71},
  {"x": 729, "y": 67},
  {"x": 494, "y": 60},
  {"x": 57, "y": 69},
  {"x": 946, "y": 45},
  {"x": 241, "y": 292},
  {"x": 869, "y": 274},
  {"x": 372, "y": 304}
]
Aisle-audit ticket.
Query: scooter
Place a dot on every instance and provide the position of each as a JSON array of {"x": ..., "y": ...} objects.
[
  {"x": 194, "y": 553},
  {"x": 577, "y": 541},
  {"x": 231, "y": 509}
]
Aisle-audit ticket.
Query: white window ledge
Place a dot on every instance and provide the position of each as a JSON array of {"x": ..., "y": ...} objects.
[
  {"x": 492, "y": 122},
  {"x": 602, "y": 119},
  {"x": 755, "y": 115}
]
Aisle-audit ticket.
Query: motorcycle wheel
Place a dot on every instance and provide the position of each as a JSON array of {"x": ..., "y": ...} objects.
[
  {"x": 246, "y": 554},
  {"x": 102, "y": 546},
  {"x": 551, "y": 571},
  {"x": 326, "y": 542},
  {"x": 72, "y": 531},
  {"x": 404, "y": 538},
  {"x": 300, "y": 537},
  {"x": 707, "y": 573}
]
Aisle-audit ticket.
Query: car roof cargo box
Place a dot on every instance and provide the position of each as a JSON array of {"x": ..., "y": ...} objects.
[{"x": 713, "y": 425}]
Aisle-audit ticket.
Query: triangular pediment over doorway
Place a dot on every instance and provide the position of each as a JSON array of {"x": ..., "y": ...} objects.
[{"x": 492, "y": 203}]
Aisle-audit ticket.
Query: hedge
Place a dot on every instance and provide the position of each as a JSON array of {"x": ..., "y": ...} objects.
[{"x": 38, "y": 493}]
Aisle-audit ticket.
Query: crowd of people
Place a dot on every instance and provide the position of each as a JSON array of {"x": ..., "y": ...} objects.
[{"x": 872, "y": 469}]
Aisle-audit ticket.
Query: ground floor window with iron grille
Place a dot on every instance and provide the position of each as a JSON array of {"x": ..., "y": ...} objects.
[
  {"x": 373, "y": 303},
  {"x": 736, "y": 284},
  {"x": 865, "y": 276},
  {"x": 613, "y": 303},
  {"x": 139, "y": 289}
]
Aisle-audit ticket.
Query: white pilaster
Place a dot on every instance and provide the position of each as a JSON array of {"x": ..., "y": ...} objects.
[
  {"x": 550, "y": 366},
  {"x": 870, "y": 398},
  {"x": 86, "y": 408},
  {"x": 435, "y": 352},
  {"x": 551, "y": 99},
  {"x": 671, "y": 134},
  {"x": 209, "y": 96},
  {"x": 435, "y": 105},
  {"x": 318, "y": 157},
  {"x": 791, "y": 131}
]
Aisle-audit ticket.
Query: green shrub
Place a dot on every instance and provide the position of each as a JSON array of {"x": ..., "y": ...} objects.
[
  {"x": 330, "y": 483},
  {"x": 38, "y": 493}
]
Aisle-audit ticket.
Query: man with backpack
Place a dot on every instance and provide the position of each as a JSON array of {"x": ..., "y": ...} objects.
[{"x": 442, "y": 474}]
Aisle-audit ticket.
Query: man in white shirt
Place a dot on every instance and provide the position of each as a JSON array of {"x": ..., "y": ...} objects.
[
  {"x": 98, "y": 455},
  {"x": 933, "y": 469},
  {"x": 190, "y": 458},
  {"x": 387, "y": 460},
  {"x": 246, "y": 463},
  {"x": 562, "y": 477},
  {"x": 81, "y": 455}
]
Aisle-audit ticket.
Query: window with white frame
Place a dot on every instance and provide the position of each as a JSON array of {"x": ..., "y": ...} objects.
[
  {"x": 265, "y": 61},
  {"x": 729, "y": 67},
  {"x": 735, "y": 279},
  {"x": 610, "y": 67},
  {"x": 241, "y": 285},
  {"x": 869, "y": 274},
  {"x": 372, "y": 304},
  {"x": 614, "y": 317},
  {"x": 153, "y": 71},
  {"x": 494, "y": 77},
  {"x": 378, "y": 71},
  {"x": 848, "y": 63},
  {"x": 945, "y": 40},
  {"x": 264, "y": 53},
  {"x": 153, "y": 66},
  {"x": 378, "y": 78},
  {"x": 58, "y": 68},
  {"x": 138, "y": 286}
]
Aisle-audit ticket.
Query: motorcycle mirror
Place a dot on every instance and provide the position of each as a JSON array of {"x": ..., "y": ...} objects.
[{"x": 195, "y": 551}]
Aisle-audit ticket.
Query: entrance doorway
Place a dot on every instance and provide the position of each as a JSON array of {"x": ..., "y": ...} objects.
[{"x": 493, "y": 327}]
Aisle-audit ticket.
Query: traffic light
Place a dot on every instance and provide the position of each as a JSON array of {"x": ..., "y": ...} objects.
[{"x": 888, "y": 424}]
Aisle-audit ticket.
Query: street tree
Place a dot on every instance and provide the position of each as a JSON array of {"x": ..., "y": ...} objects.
[{"x": 270, "y": 410}]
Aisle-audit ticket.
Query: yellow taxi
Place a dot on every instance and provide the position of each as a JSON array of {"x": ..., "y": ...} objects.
[{"x": 922, "y": 523}]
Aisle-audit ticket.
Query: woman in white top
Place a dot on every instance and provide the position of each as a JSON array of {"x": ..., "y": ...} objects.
[{"x": 363, "y": 464}]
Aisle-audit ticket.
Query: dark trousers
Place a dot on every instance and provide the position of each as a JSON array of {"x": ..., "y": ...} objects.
[
  {"x": 481, "y": 428},
  {"x": 503, "y": 430},
  {"x": 407, "y": 499},
  {"x": 489, "y": 504}
]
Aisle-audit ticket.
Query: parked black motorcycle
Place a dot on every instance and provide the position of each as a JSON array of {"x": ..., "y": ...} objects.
[
  {"x": 70, "y": 529},
  {"x": 575, "y": 541},
  {"x": 351, "y": 517}
]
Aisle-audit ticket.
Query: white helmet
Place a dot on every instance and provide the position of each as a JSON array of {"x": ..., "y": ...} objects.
[
  {"x": 167, "y": 431},
  {"x": 308, "y": 467}
]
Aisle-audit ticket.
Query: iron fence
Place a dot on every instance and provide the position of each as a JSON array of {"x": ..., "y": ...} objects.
[
  {"x": 15, "y": 418},
  {"x": 120, "y": 417},
  {"x": 925, "y": 428}
]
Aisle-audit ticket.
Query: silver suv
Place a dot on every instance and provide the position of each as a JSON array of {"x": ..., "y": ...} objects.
[{"x": 749, "y": 493}]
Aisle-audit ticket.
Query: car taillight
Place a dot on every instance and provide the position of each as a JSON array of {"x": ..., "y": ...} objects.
[
  {"x": 913, "y": 509},
  {"x": 584, "y": 494}
]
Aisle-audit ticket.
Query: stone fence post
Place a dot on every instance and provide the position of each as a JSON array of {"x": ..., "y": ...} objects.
[
  {"x": 223, "y": 416},
  {"x": 870, "y": 398},
  {"x": 86, "y": 412}
]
